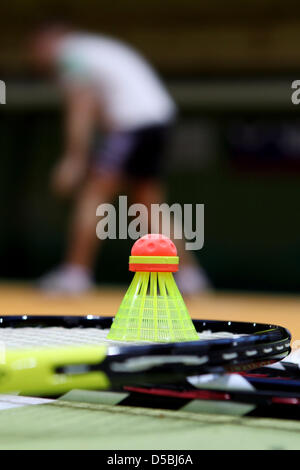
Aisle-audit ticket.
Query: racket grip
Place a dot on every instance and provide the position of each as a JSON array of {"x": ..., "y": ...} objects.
[{"x": 35, "y": 371}]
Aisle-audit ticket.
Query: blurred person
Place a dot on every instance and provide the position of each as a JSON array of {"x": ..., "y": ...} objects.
[{"x": 109, "y": 88}]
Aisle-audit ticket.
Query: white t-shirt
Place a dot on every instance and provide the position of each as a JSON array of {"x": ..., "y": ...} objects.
[{"x": 128, "y": 88}]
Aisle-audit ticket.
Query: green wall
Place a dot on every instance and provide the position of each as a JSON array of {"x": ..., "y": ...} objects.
[{"x": 251, "y": 218}]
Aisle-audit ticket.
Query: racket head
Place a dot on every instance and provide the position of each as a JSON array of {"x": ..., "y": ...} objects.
[
  {"x": 269, "y": 340},
  {"x": 245, "y": 346}
]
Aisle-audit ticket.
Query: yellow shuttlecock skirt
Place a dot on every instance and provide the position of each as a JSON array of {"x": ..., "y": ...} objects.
[{"x": 153, "y": 310}]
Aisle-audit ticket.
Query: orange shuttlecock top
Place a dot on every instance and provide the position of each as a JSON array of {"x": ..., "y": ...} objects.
[{"x": 154, "y": 253}]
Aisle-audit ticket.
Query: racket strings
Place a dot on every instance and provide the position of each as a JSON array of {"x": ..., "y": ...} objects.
[{"x": 38, "y": 337}]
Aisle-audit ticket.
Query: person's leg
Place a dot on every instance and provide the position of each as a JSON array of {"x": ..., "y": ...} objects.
[
  {"x": 83, "y": 242},
  {"x": 101, "y": 186},
  {"x": 191, "y": 278},
  {"x": 151, "y": 191},
  {"x": 75, "y": 274}
]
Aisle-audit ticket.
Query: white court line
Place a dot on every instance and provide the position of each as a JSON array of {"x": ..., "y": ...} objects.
[{"x": 14, "y": 401}]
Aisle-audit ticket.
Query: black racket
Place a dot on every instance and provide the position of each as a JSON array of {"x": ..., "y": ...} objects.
[
  {"x": 256, "y": 403},
  {"x": 51, "y": 355}
]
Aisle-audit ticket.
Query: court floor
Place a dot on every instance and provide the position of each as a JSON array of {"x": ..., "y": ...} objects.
[
  {"x": 20, "y": 298},
  {"x": 67, "y": 425},
  {"x": 62, "y": 424}
]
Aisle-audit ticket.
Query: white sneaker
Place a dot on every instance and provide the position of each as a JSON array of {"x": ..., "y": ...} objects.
[
  {"x": 68, "y": 279},
  {"x": 192, "y": 280}
]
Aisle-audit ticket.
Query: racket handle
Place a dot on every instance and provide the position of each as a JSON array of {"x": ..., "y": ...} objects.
[{"x": 34, "y": 371}]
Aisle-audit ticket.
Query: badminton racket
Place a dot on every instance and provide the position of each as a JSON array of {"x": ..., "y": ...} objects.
[
  {"x": 52, "y": 355},
  {"x": 256, "y": 403}
]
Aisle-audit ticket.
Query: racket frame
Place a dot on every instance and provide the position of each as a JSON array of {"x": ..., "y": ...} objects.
[{"x": 56, "y": 370}]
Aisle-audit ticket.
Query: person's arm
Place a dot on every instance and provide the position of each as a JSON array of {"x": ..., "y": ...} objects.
[{"x": 79, "y": 124}]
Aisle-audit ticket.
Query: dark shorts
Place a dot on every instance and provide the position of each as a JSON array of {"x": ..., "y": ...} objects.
[{"x": 139, "y": 153}]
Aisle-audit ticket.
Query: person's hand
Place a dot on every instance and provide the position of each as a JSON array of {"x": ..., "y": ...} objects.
[{"x": 68, "y": 174}]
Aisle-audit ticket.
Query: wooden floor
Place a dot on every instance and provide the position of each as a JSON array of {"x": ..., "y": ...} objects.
[{"x": 22, "y": 299}]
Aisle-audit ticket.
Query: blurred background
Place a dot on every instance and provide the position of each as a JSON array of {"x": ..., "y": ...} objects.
[{"x": 235, "y": 147}]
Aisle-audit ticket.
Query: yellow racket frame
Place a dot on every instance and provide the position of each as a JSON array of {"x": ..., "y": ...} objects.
[{"x": 30, "y": 371}]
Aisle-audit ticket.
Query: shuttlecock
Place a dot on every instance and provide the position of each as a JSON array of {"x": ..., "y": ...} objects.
[{"x": 153, "y": 308}]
